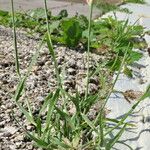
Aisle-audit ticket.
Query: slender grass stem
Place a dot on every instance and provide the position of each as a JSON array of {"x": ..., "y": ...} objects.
[
  {"x": 128, "y": 113},
  {"x": 114, "y": 83},
  {"x": 100, "y": 115},
  {"x": 51, "y": 49},
  {"x": 15, "y": 40},
  {"x": 88, "y": 50}
]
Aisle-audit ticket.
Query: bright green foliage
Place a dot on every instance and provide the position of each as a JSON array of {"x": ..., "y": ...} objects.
[
  {"x": 135, "y": 1},
  {"x": 116, "y": 36},
  {"x": 72, "y": 32},
  {"x": 62, "y": 129}
]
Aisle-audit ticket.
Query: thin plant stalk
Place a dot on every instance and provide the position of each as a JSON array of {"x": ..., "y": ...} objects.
[
  {"x": 50, "y": 45},
  {"x": 107, "y": 98},
  {"x": 114, "y": 83},
  {"x": 100, "y": 114},
  {"x": 145, "y": 95},
  {"x": 88, "y": 49},
  {"x": 15, "y": 40}
]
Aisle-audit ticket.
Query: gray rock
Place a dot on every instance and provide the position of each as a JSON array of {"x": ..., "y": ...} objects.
[{"x": 72, "y": 63}]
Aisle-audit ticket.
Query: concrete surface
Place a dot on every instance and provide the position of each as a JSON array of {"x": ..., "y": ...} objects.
[
  {"x": 54, "y": 6},
  {"x": 139, "y": 136}
]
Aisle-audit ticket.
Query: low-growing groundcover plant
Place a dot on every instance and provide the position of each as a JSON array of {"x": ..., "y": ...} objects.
[
  {"x": 108, "y": 35},
  {"x": 76, "y": 131}
]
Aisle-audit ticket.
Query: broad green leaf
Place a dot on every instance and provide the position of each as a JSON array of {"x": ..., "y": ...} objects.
[
  {"x": 54, "y": 25},
  {"x": 3, "y": 13},
  {"x": 38, "y": 13},
  {"x": 72, "y": 32}
]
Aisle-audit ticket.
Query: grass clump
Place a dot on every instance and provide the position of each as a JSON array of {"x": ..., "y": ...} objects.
[{"x": 62, "y": 129}]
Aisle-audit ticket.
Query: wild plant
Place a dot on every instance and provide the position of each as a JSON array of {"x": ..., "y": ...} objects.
[{"x": 62, "y": 129}]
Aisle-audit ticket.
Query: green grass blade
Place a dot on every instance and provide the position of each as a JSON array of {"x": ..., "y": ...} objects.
[
  {"x": 89, "y": 123},
  {"x": 39, "y": 126},
  {"x": 145, "y": 95},
  {"x": 117, "y": 121},
  {"x": 60, "y": 144},
  {"x": 15, "y": 39},
  {"x": 88, "y": 49},
  {"x": 101, "y": 127},
  {"x": 50, "y": 46},
  {"x": 88, "y": 103},
  {"x": 112, "y": 87},
  {"x": 76, "y": 101},
  {"x": 125, "y": 145},
  {"x": 38, "y": 141},
  {"x": 51, "y": 106},
  {"x": 66, "y": 118},
  {"x": 19, "y": 90},
  {"x": 113, "y": 141},
  {"x": 21, "y": 84},
  {"x": 46, "y": 101},
  {"x": 27, "y": 114}
]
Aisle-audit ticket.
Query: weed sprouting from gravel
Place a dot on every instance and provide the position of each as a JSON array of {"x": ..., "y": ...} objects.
[{"x": 73, "y": 129}]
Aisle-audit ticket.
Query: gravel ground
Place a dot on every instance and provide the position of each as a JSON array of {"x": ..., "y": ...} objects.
[{"x": 72, "y": 66}]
